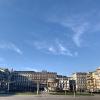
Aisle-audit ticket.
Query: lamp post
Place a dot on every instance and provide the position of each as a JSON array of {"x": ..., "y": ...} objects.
[
  {"x": 37, "y": 87},
  {"x": 8, "y": 83},
  {"x": 47, "y": 87},
  {"x": 8, "y": 86},
  {"x": 74, "y": 90}
]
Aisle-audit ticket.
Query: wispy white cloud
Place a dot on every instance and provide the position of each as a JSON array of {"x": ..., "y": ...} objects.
[
  {"x": 52, "y": 49},
  {"x": 57, "y": 48},
  {"x": 10, "y": 46},
  {"x": 78, "y": 32},
  {"x": 63, "y": 50},
  {"x": 15, "y": 48},
  {"x": 80, "y": 25}
]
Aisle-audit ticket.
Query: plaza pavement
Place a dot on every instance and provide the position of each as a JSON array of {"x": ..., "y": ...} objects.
[{"x": 49, "y": 97}]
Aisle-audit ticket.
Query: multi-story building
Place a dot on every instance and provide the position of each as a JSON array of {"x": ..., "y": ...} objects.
[
  {"x": 81, "y": 81},
  {"x": 71, "y": 84},
  {"x": 93, "y": 81},
  {"x": 4, "y": 73},
  {"x": 22, "y": 81},
  {"x": 96, "y": 76},
  {"x": 28, "y": 80},
  {"x": 66, "y": 83},
  {"x": 91, "y": 86},
  {"x": 52, "y": 85},
  {"x": 63, "y": 82}
]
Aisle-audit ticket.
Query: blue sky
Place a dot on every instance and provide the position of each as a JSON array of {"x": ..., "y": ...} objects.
[{"x": 56, "y": 35}]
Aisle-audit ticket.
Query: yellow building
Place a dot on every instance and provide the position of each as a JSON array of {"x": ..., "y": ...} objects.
[
  {"x": 91, "y": 84},
  {"x": 93, "y": 81},
  {"x": 96, "y": 76}
]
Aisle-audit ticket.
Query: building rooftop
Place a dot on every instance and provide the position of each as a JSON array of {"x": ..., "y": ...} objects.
[
  {"x": 3, "y": 69},
  {"x": 80, "y": 73}
]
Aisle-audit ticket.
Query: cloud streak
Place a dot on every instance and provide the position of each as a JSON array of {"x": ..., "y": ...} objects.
[
  {"x": 78, "y": 27},
  {"x": 57, "y": 48},
  {"x": 15, "y": 48},
  {"x": 10, "y": 46},
  {"x": 80, "y": 24},
  {"x": 78, "y": 32}
]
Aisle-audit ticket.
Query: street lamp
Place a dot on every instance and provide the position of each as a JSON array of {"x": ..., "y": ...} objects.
[
  {"x": 74, "y": 90},
  {"x": 37, "y": 87}
]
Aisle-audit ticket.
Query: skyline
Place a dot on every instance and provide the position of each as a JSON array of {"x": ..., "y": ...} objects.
[{"x": 60, "y": 36}]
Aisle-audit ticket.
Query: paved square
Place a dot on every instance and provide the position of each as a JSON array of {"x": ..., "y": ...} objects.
[{"x": 24, "y": 97}]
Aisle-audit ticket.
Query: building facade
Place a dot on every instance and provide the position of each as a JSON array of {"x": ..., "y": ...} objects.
[
  {"x": 52, "y": 85},
  {"x": 28, "y": 80},
  {"x": 93, "y": 81},
  {"x": 63, "y": 82},
  {"x": 81, "y": 81},
  {"x": 91, "y": 85},
  {"x": 96, "y": 76},
  {"x": 4, "y": 73},
  {"x": 71, "y": 84}
]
